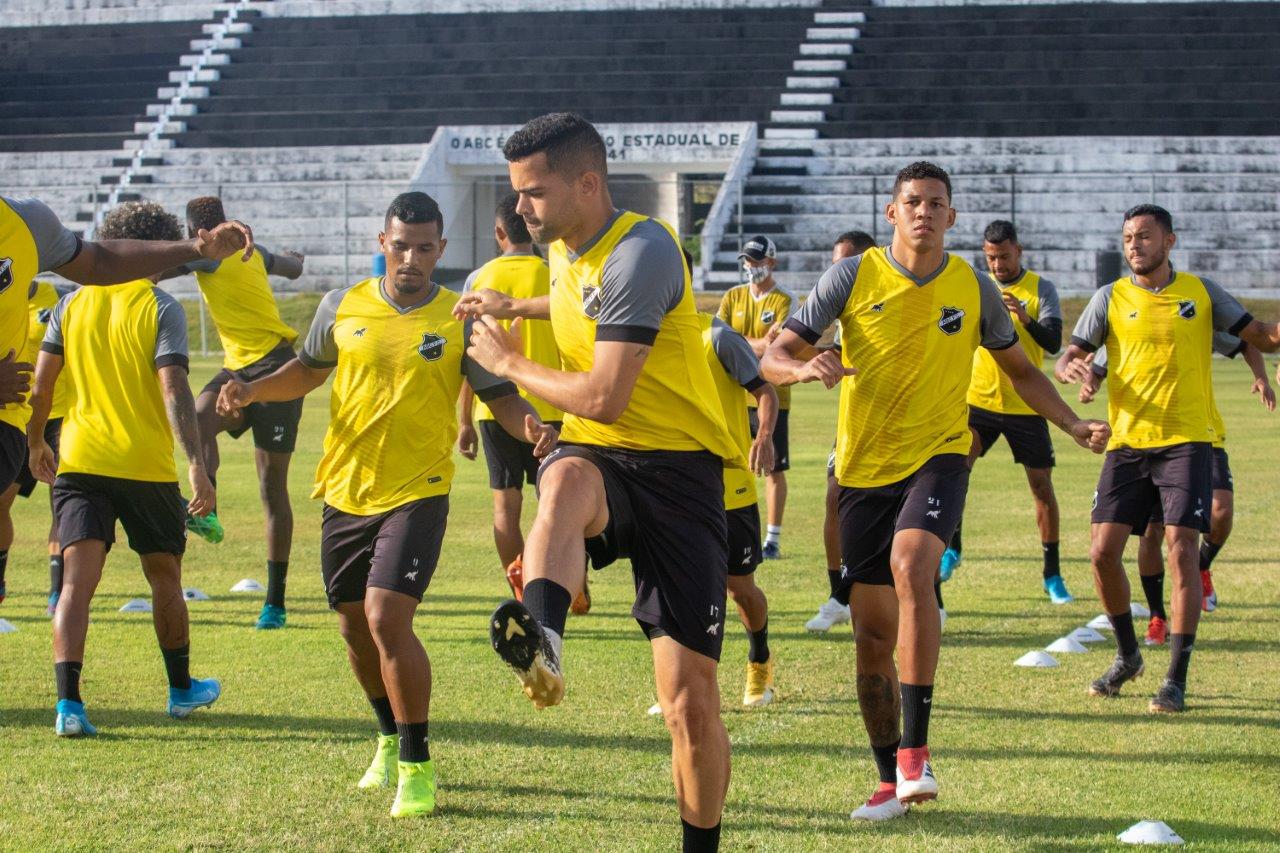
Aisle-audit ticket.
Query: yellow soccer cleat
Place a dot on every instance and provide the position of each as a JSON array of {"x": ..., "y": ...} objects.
[
  {"x": 416, "y": 793},
  {"x": 384, "y": 762},
  {"x": 759, "y": 684}
]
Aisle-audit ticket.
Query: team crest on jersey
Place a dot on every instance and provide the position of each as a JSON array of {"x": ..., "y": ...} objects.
[
  {"x": 432, "y": 346},
  {"x": 951, "y": 320},
  {"x": 878, "y": 308},
  {"x": 6, "y": 273},
  {"x": 591, "y": 301},
  {"x": 1187, "y": 309},
  {"x": 767, "y": 316}
]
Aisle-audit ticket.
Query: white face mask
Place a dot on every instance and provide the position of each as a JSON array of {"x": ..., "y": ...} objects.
[{"x": 756, "y": 275}]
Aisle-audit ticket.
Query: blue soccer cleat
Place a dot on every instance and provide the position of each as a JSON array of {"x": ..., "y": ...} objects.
[
  {"x": 947, "y": 566},
  {"x": 202, "y": 693},
  {"x": 1057, "y": 589},
  {"x": 71, "y": 720},
  {"x": 271, "y": 618}
]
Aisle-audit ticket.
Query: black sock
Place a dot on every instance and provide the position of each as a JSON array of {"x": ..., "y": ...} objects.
[
  {"x": 917, "y": 699},
  {"x": 55, "y": 574},
  {"x": 886, "y": 761},
  {"x": 4, "y": 564},
  {"x": 67, "y": 674},
  {"x": 956, "y": 544},
  {"x": 833, "y": 581},
  {"x": 548, "y": 602},
  {"x": 1153, "y": 589},
  {"x": 937, "y": 593},
  {"x": 277, "y": 572},
  {"x": 758, "y": 651},
  {"x": 1051, "y": 567},
  {"x": 1126, "y": 640},
  {"x": 1208, "y": 551},
  {"x": 699, "y": 840},
  {"x": 386, "y": 717},
  {"x": 177, "y": 663},
  {"x": 842, "y": 594},
  {"x": 413, "y": 741},
  {"x": 1180, "y": 656}
]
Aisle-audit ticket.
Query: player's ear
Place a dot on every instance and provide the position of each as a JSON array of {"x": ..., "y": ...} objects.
[
  {"x": 443, "y": 242},
  {"x": 951, "y": 217},
  {"x": 1170, "y": 240},
  {"x": 382, "y": 240},
  {"x": 890, "y": 214}
]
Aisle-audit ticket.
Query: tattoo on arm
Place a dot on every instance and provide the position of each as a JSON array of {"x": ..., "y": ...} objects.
[
  {"x": 181, "y": 408},
  {"x": 881, "y": 709}
]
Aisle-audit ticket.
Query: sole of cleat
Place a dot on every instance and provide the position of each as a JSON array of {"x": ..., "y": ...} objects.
[
  {"x": 916, "y": 799},
  {"x": 514, "y": 635}
]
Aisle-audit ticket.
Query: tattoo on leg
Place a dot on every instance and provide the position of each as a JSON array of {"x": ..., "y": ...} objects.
[{"x": 880, "y": 709}]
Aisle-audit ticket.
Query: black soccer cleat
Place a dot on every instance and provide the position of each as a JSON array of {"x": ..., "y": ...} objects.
[
  {"x": 520, "y": 641},
  {"x": 1122, "y": 669},
  {"x": 1171, "y": 698}
]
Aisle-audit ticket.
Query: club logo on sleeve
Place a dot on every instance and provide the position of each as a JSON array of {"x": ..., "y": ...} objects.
[
  {"x": 432, "y": 346},
  {"x": 1187, "y": 309},
  {"x": 951, "y": 320},
  {"x": 592, "y": 299},
  {"x": 43, "y": 316},
  {"x": 768, "y": 317},
  {"x": 6, "y": 273}
]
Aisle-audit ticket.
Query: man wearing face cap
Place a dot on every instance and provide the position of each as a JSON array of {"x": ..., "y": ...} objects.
[{"x": 756, "y": 310}]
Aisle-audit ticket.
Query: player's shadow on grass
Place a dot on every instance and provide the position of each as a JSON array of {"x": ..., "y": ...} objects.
[
  {"x": 116, "y": 723},
  {"x": 1204, "y": 715}
]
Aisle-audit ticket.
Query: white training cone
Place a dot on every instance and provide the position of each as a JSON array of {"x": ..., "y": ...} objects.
[
  {"x": 1037, "y": 659},
  {"x": 1067, "y": 645},
  {"x": 1138, "y": 611},
  {"x": 136, "y": 605},
  {"x": 1086, "y": 635},
  {"x": 248, "y": 585},
  {"x": 1100, "y": 623},
  {"x": 191, "y": 593},
  {"x": 1150, "y": 832},
  {"x": 7, "y": 627}
]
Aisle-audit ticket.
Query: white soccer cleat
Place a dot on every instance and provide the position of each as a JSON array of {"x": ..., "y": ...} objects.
[
  {"x": 916, "y": 782},
  {"x": 883, "y": 805},
  {"x": 830, "y": 614}
]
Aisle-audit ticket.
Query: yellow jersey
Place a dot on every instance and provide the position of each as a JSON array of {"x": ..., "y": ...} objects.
[
  {"x": 752, "y": 316},
  {"x": 44, "y": 296},
  {"x": 523, "y": 276},
  {"x": 242, "y": 307},
  {"x": 395, "y": 389},
  {"x": 736, "y": 372},
  {"x": 912, "y": 340},
  {"x": 630, "y": 284},
  {"x": 991, "y": 389},
  {"x": 113, "y": 341}
]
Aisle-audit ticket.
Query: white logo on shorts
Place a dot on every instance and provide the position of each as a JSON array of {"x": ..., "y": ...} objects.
[
  {"x": 746, "y": 556},
  {"x": 713, "y": 629},
  {"x": 413, "y": 575},
  {"x": 279, "y": 434},
  {"x": 934, "y": 513}
]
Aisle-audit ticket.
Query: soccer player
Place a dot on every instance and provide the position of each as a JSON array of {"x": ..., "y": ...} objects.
[
  {"x": 32, "y": 240},
  {"x": 255, "y": 343},
  {"x": 995, "y": 409},
  {"x": 1221, "y": 516},
  {"x": 125, "y": 347},
  {"x": 835, "y": 610},
  {"x": 911, "y": 317},
  {"x": 521, "y": 273},
  {"x": 640, "y": 472},
  {"x": 42, "y": 297},
  {"x": 756, "y": 310},
  {"x": 396, "y": 353},
  {"x": 1157, "y": 325}
]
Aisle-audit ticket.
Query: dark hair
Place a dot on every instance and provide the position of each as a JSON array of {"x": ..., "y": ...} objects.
[
  {"x": 1000, "y": 231},
  {"x": 859, "y": 240},
  {"x": 922, "y": 170},
  {"x": 571, "y": 143},
  {"x": 205, "y": 212},
  {"x": 415, "y": 208},
  {"x": 512, "y": 222},
  {"x": 1155, "y": 211},
  {"x": 140, "y": 220}
]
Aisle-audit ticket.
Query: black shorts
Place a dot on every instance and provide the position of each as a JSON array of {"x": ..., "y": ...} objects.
[
  {"x": 1028, "y": 436},
  {"x": 931, "y": 499},
  {"x": 666, "y": 512},
  {"x": 1179, "y": 478},
  {"x": 274, "y": 425},
  {"x": 152, "y": 514},
  {"x": 511, "y": 461},
  {"x": 396, "y": 550},
  {"x": 781, "y": 437},
  {"x": 744, "y": 539},
  {"x": 13, "y": 454},
  {"x": 53, "y": 437},
  {"x": 1222, "y": 479}
]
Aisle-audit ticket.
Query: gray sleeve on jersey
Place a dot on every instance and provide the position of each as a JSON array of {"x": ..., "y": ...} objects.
[
  {"x": 1225, "y": 343},
  {"x": 320, "y": 350},
  {"x": 470, "y": 284},
  {"x": 642, "y": 281},
  {"x": 486, "y": 385},
  {"x": 1090, "y": 332},
  {"x": 1050, "y": 304},
  {"x": 1228, "y": 314},
  {"x": 268, "y": 257},
  {"x": 171, "y": 331},
  {"x": 64, "y": 290},
  {"x": 826, "y": 301},
  {"x": 735, "y": 355},
  {"x": 55, "y": 245},
  {"x": 1099, "y": 364},
  {"x": 52, "y": 342},
  {"x": 995, "y": 326},
  {"x": 201, "y": 265}
]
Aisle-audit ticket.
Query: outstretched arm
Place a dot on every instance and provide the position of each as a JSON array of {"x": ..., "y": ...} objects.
[
  {"x": 291, "y": 381},
  {"x": 115, "y": 261},
  {"x": 1038, "y": 393},
  {"x": 1073, "y": 365},
  {"x": 477, "y": 303},
  {"x": 520, "y": 421},
  {"x": 784, "y": 363}
]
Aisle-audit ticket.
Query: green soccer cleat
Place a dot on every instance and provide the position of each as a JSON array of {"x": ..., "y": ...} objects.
[
  {"x": 384, "y": 763},
  {"x": 416, "y": 793},
  {"x": 207, "y": 527}
]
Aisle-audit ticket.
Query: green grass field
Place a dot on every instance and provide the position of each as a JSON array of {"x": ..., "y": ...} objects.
[{"x": 1026, "y": 760}]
